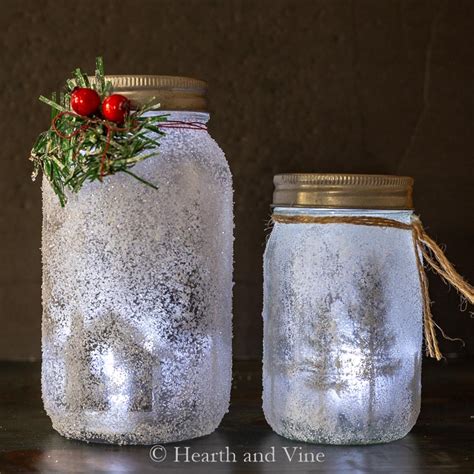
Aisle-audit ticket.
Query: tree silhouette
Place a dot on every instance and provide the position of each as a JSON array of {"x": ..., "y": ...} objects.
[
  {"x": 323, "y": 340},
  {"x": 370, "y": 331}
]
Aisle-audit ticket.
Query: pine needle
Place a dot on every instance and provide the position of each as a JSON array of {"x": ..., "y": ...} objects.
[{"x": 76, "y": 149}]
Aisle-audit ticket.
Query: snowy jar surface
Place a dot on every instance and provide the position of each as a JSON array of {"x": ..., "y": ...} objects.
[
  {"x": 137, "y": 289},
  {"x": 342, "y": 329}
]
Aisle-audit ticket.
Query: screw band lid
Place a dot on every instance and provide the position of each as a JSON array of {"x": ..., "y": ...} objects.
[
  {"x": 172, "y": 92},
  {"x": 343, "y": 191}
]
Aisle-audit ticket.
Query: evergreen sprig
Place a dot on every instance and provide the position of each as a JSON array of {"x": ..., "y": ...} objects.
[{"x": 76, "y": 149}]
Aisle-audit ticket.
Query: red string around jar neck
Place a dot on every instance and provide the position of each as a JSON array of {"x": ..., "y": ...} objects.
[
  {"x": 175, "y": 124},
  {"x": 111, "y": 128},
  {"x": 182, "y": 124}
]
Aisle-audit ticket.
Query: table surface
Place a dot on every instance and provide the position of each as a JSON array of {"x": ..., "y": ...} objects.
[{"x": 441, "y": 442}]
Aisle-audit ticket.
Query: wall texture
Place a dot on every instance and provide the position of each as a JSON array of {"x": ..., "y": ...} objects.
[{"x": 363, "y": 86}]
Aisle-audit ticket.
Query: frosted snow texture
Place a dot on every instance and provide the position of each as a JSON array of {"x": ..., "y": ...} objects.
[
  {"x": 137, "y": 289},
  {"x": 342, "y": 331}
]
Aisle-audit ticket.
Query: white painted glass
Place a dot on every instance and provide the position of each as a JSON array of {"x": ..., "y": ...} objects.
[
  {"x": 137, "y": 289},
  {"x": 342, "y": 330}
]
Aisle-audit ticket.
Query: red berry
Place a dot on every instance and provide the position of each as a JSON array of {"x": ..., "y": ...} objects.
[
  {"x": 115, "y": 108},
  {"x": 85, "y": 101}
]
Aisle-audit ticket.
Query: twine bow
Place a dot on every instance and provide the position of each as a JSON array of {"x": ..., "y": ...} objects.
[{"x": 425, "y": 247}]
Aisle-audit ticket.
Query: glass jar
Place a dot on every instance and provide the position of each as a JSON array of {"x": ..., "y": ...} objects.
[
  {"x": 137, "y": 287},
  {"x": 343, "y": 311}
]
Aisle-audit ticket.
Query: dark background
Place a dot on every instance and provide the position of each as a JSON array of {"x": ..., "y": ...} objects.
[{"x": 368, "y": 86}]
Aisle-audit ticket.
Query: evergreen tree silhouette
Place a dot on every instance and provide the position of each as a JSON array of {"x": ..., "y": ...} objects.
[
  {"x": 323, "y": 340},
  {"x": 371, "y": 334}
]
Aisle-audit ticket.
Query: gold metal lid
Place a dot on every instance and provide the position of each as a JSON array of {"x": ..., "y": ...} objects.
[
  {"x": 172, "y": 92},
  {"x": 343, "y": 191}
]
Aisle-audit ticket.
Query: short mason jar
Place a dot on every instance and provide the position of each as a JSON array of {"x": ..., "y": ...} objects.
[
  {"x": 137, "y": 286},
  {"x": 343, "y": 311}
]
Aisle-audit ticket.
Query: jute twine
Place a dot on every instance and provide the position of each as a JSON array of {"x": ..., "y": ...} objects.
[{"x": 425, "y": 246}]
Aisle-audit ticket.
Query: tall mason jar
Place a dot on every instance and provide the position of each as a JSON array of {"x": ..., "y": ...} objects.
[
  {"x": 137, "y": 287},
  {"x": 342, "y": 311}
]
